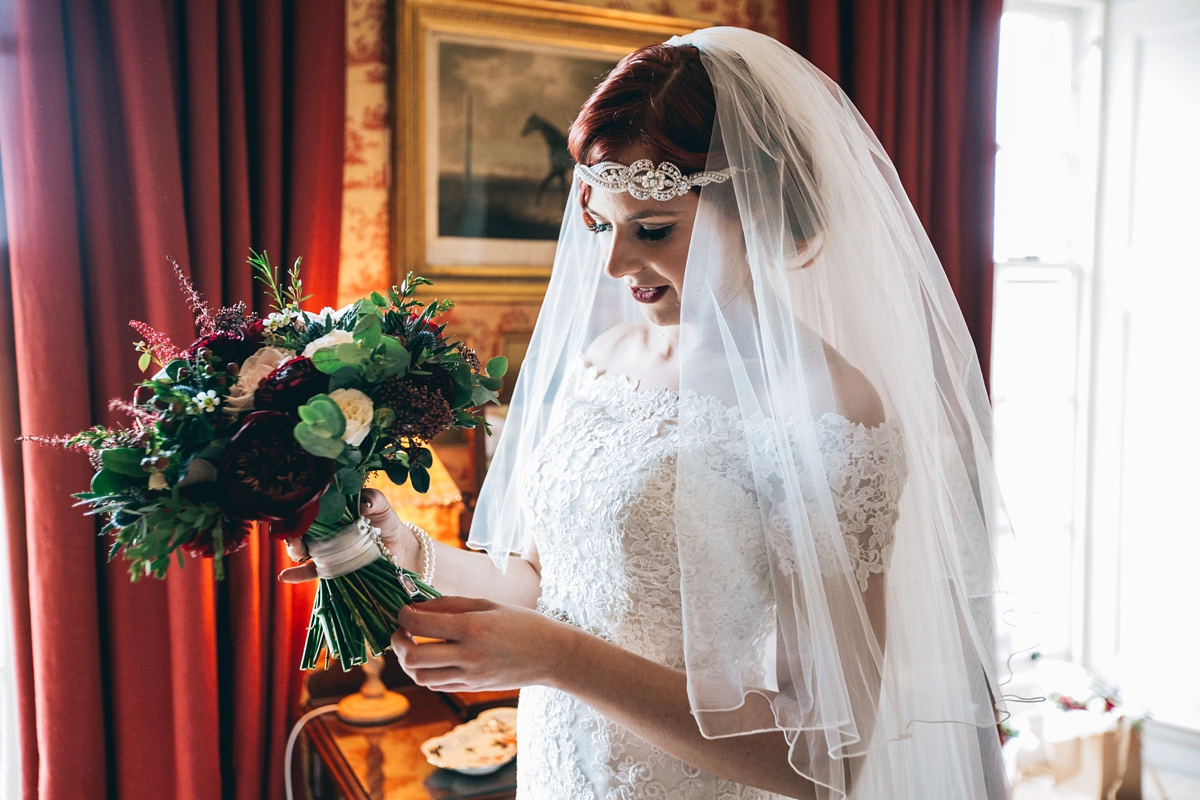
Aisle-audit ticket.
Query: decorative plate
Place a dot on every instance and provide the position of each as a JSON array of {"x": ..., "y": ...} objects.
[{"x": 479, "y": 747}]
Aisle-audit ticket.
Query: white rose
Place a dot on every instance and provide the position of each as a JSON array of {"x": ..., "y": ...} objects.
[
  {"x": 358, "y": 410},
  {"x": 319, "y": 316},
  {"x": 331, "y": 339},
  {"x": 328, "y": 312},
  {"x": 254, "y": 369}
]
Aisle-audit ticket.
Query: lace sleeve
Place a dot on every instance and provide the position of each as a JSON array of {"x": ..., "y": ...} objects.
[{"x": 866, "y": 472}]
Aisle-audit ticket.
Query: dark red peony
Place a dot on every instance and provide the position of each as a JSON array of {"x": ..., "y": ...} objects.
[
  {"x": 229, "y": 345},
  {"x": 233, "y": 538},
  {"x": 267, "y": 475},
  {"x": 290, "y": 386}
]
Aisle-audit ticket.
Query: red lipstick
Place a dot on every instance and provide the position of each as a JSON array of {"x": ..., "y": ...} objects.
[{"x": 648, "y": 294}]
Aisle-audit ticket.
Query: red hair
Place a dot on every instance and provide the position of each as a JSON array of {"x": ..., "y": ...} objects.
[{"x": 660, "y": 99}]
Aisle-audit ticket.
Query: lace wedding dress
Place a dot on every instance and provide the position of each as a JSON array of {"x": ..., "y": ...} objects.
[{"x": 602, "y": 503}]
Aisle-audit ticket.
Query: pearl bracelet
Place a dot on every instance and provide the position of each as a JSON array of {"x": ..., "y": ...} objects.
[{"x": 426, "y": 543}]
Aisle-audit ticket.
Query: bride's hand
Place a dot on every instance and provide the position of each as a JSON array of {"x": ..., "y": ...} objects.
[
  {"x": 486, "y": 646},
  {"x": 397, "y": 537}
]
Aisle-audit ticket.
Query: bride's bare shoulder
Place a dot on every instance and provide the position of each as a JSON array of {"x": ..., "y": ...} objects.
[
  {"x": 855, "y": 396},
  {"x": 607, "y": 348}
]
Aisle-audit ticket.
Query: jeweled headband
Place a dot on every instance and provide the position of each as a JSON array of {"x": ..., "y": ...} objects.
[{"x": 642, "y": 179}]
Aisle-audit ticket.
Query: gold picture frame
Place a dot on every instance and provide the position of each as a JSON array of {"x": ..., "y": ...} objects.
[{"x": 477, "y": 220}]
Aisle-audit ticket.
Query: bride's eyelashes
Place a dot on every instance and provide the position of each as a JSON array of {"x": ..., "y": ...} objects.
[
  {"x": 654, "y": 234},
  {"x": 643, "y": 233}
]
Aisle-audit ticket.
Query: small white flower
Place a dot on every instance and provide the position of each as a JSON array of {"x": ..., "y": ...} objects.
[
  {"x": 331, "y": 339},
  {"x": 282, "y": 319},
  {"x": 206, "y": 401},
  {"x": 358, "y": 410}
]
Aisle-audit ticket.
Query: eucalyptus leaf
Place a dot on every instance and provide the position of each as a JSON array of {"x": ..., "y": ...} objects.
[
  {"x": 333, "y": 503},
  {"x": 352, "y": 353},
  {"x": 326, "y": 360},
  {"x": 497, "y": 366},
  {"x": 464, "y": 420},
  {"x": 424, "y": 458},
  {"x": 321, "y": 409},
  {"x": 481, "y": 395},
  {"x": 493, "y": 384},
  {"x": 369, "y": 331},
  {"x": 379, "y": 300},
  {"x": 346, "y": 378},
  {"x": 350, "y": 480},
  {"x": 313, "y": 442}
]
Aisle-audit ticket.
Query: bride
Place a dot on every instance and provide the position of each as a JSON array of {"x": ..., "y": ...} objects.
[{"x": 737, "y": 527}]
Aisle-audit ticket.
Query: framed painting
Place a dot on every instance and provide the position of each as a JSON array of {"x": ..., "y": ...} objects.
[{"x": 485, "y": 94}]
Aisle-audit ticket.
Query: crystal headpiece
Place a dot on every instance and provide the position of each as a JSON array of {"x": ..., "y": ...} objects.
[{"x": 642, "y": 179}]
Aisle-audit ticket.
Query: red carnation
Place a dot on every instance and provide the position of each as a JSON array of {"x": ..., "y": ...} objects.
[
  {"x": 290, "y": 386},
  {"x": 267, "y": 475}
]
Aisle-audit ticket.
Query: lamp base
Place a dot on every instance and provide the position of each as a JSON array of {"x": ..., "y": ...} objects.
[{"x": 359, "y": 709}]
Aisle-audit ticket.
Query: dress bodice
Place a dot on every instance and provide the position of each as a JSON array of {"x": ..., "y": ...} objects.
[{"x": 601, "y": 500}]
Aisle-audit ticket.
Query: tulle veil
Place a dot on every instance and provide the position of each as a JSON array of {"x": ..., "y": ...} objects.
[{"x": 811, "y": 243}]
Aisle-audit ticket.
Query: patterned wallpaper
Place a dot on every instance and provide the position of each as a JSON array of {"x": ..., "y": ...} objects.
[
  {"x": 364, "y": 258},
  {"x": 365, "y": 263}
]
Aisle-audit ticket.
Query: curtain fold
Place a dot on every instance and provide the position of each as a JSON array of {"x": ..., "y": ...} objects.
[
  {"x": 923, "y": 75},
  {"x": 130, "y": 131}
]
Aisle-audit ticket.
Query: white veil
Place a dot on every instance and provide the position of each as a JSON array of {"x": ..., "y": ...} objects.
[{"x": 774, "y": 638}]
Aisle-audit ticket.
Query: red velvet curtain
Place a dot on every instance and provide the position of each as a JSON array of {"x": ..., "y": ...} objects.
[
  {"x": 133, "y": 130},
  {"x": 923, "y": 74}
]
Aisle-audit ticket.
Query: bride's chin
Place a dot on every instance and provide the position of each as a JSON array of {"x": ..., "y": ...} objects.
[{"x": 664, "y": 317}]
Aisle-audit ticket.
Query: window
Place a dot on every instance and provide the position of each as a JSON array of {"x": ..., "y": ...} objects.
[
  {"x": 1095, "y": 380},
  {"x": 1046, "y": 126}
]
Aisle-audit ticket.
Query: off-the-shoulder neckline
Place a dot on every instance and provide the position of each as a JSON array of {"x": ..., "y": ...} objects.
[{"x": 669, "y": 396}]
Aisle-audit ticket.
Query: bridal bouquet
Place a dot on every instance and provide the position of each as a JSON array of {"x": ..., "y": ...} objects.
[{"x": 282, "y": 420}]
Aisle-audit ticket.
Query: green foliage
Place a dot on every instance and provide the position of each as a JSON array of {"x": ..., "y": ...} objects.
[
  {"x": 291, "y": 295},
  {"x": 496, "y": 367},
  {"x": 333, "y": 505},
  {"x": 154, "y": 531},
  {"x": 124, "y": 460},
  {"x": 109, "y": 482},
  {"x": 321, "y": 427}
]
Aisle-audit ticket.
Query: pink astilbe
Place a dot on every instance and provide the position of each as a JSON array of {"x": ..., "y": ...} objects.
[
  {"x": 65, "y": 442},
  {"x": 159, "y": 343},
  {"x": 205, "y": 320},
  {"x": 135, "y": 411}
]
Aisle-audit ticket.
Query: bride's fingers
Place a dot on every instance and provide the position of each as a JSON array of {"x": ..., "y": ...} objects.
[
  {"x": 375, "y": 507},
  {"x": 296, "y": 549},
  {"x": 444, "y": 679},
  {"x": 301, "y": 574}
]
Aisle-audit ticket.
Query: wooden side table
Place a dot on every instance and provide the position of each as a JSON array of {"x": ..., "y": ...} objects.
[{"x": 386, "y": 763}]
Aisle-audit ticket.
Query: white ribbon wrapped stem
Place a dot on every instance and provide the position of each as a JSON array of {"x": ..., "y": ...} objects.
[{"x": 353, "y": 547}]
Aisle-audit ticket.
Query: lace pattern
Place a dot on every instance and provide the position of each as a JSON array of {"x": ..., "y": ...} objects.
[{"x": 603, "y": 502}]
